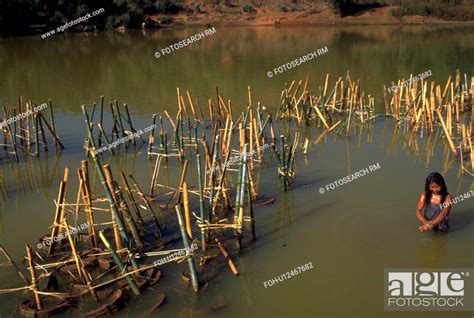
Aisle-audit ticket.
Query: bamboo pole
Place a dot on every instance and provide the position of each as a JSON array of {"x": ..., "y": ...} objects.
[
  {"x": 212, "y": 176},
  {"x": 28, "y": 135},
  {"x": 148, "y": 206},
  {"x": 110, "y": 198},
  {"x": 35, "y": 121},
  {"x": 181, "y": 181},
  {"x": 80, "y": 269},
  {"x": 451, "y": 144},
  {"x": 52, "y": 131},
  {"x": 20, "y": 110},
  {"x": 107, "y": 142},
  {"x": 116, "y": 231},
  {"x": 101, "y": 119},
  {"x": 51, "y": 114},
  {"x": 129, "y": 120},
  {"x": 471, "y": 154},
  {"x": 170, "y": 119},
  {"x": 59, "y": 212},
  {"x": 151, "y": 138},
  {"x": 250, "y": 209},
  {"x": 119, "y": 115},
  {"x": 241, "y": 197},
  {"x": 201, "y": 201},
  {"x": 120, "y": 265},
  {"x": 34, "y": 283},
  {"x": 191, "y": 105},
  {"x": 119, "y": 200},
  {"x": 154, "y": 177},
  {"x": 20, "y": 273},
  {"x": 187, "y": 214},
  {"x": 141, "y": 223},
  {"x": 192, "y": 269},
  {"x": 43, "y": 135},
  {"x": 85, "y": 193},
  {"x": 226, "y": 255}
]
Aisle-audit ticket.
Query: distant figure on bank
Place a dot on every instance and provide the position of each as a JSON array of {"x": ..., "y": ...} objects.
[{"x": 434, "y": 217}]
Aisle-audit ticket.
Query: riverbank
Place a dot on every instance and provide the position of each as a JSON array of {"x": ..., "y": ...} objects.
[
  {"x": 176, "y": 14},
  {"x": 316, "y": 14}
]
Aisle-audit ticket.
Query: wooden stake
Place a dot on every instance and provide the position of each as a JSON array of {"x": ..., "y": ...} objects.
[
  {"x": 192, "y": 269},
  {"x": 451, "y": 144},
  {"x": 226, "y": 255},
  {"x": 120, "y": 265},
  {"x": 59, "y": 213},
  {"x": 108, "y": 193},
  {"x": 34, "y": 283},
  {"x": 187, "y": 215},
  {"x": 20, "y": 273}
]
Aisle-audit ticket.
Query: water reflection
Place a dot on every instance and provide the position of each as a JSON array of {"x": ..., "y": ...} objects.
[
  {"x": 34, "y": 174},
  {"x": 123, "y": 65}
]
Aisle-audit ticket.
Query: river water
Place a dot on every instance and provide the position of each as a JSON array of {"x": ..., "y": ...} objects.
[{"x": 350, "y": 234}]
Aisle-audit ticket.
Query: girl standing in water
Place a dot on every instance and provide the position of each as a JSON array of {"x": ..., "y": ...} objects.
[{"x": 434, "y": 217}]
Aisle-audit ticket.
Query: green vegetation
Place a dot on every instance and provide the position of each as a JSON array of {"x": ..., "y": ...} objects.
[
  {"x": 353, "y": 7},
  {"x": 248, "y": 8},
  {"x": 19, "y": 17},
  {"x": 461, "y": 10},
  {"x": 443, "y": 9}
]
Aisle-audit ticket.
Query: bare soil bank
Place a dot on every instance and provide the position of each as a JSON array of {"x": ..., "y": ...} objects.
[{"x": 308, "y": 14}]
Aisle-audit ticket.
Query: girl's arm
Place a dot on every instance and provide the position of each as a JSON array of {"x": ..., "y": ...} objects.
[
  {"x": 444, "y": 212},
  {"x": 419, "y": 208}
]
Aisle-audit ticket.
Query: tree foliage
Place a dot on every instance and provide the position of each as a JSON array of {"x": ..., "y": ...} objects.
[{"x": 28, "y": 16}]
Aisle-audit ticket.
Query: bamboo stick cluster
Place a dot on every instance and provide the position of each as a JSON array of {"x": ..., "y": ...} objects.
[
  {"x": 130, "y": 233},
  {"x": 345, "y": 103},
  {"x": 121, "y": 126},
  {"x": 427, "y": 108},
  {"x": 28, "y": 132},
  {"x": 216, "y": 177},
  {"x": 219, "y": 206}
]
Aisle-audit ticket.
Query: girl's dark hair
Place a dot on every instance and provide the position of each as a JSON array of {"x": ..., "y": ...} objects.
[{"x": 437, "y": 178}]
